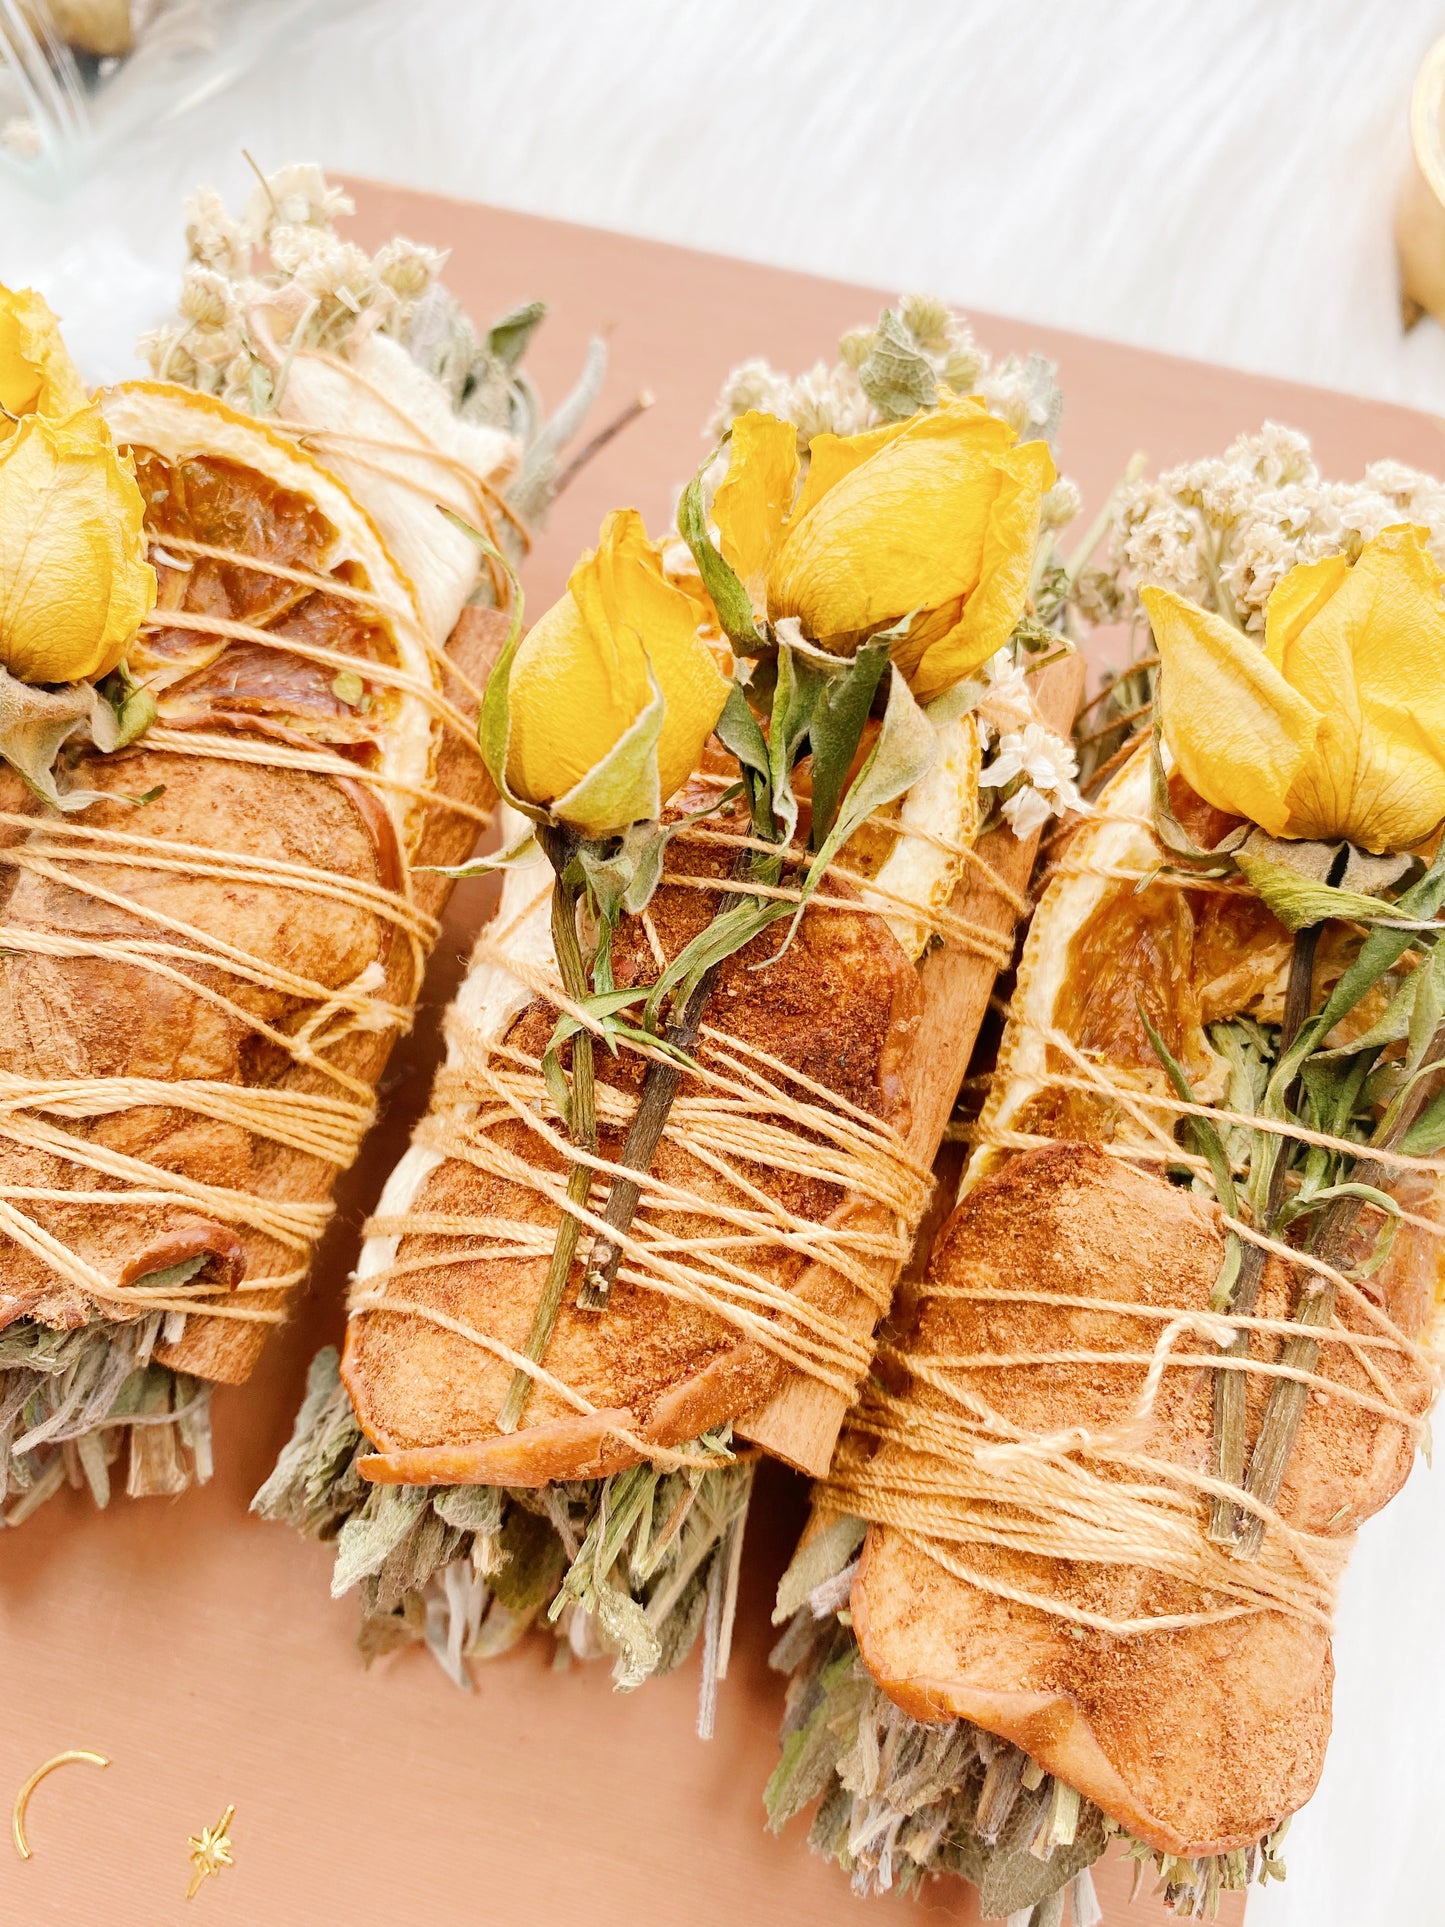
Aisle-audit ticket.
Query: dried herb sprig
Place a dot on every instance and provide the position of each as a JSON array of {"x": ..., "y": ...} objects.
[
  {"x": 1229, "y": 1444},
  {"x": 1339, "y": 1090},
  {"x": 70, "y": 1400},
  {"x": 899, "y": 1801},
  {"x": 639, "y": 1565},
  {"x": 1314, "y": 1308},
  {"x": 816, "y": 707}
]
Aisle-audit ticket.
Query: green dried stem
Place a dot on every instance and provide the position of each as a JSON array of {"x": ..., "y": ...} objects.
[
  {"x": 1108, "y": 728},
  {"x": 1230, "y": 1444},
  {"x": 1313, "y": 1310},
  {"x": 660, "y": 1086},
  {"x": 581, "y": 1122}
]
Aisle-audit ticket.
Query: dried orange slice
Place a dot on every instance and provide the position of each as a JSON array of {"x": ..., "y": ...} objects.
[{"x": 323, "y": 641}]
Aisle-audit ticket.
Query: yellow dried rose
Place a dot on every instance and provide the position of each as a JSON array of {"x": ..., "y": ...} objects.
[
  {"x": 612, "y": 692},
  {"x": 1336, "y": 728},
  {"x": 37, "y": 375},
  {"x": 74, "y": 582},
  {"x": 935, "y": 517}
]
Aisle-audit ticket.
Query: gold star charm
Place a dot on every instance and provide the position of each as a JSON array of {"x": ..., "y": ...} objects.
[{"x": 210, "y": 1851}]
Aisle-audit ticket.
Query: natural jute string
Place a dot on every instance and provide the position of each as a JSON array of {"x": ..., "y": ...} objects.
[
  {"x": 928, "y": 1455},
  {"x": 742, "y": 1114},
  {"x": 95, "y": 863}
]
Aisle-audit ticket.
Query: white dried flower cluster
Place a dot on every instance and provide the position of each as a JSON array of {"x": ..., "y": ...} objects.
[
  {"x": 1222, "y": 532},
  {"x": 834, "y": 399},
  {"x": 1036, "y": 760},
  {"x": 277, "y": 277},
  {"x": 822, "y": 401}
]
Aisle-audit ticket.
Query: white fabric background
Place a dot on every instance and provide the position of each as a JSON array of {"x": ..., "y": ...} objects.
[{"x": 1213, "y": 177}]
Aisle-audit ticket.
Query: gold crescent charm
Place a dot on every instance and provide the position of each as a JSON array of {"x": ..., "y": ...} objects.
[{"x": 22, "y": 1798}]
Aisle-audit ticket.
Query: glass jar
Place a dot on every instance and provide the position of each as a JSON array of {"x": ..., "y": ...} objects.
[{"x": 75, "y": 75}]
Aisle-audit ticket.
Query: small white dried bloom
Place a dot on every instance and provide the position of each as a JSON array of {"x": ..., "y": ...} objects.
[
  {"x": 1263, "y": 553},
  {"x": 296, "y": 196},
  {"x": 408, "y": 268},
  {"x": 213, "y": 347},
  {"x": 1023, "y": 392},
  {"x": 823, "y": 401},
  {"x": 207, "y": 297},
  {"x": 829, "y": 401},
  {"x": 959, "y": 360},
  {"x": 1417, "y": 497},
  {"x": 1026, "y": 811},
  {"x": 1274, "y": 456},
  {"x": 1008, "y": 704},
  {"x": 1034, "y": 752},
  {"x": 1061, "y": 504},
  {"x": 1158, "y": 541},
  {"x": 1246, "y": 518},
  {"x": 929, "y": 321},
  {"x": 169, "y": 357},
  {"x": 321, "y": 263},
  {"x": 308, "y": 278},
  {"x": 212, "y": 237},
  {"x": 962, "y": 366},
  {"x": 856, "y": 346},
  {"x": 1099, "y": 597},
  {"x": 752, "y": 385},
  {"x": 1044, "y": 765}
]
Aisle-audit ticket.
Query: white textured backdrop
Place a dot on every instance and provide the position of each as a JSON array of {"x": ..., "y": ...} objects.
[{"x": 1212, "y": 177}]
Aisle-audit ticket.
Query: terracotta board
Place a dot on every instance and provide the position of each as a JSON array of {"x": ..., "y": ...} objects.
[{"x": 199, "y": 1648}]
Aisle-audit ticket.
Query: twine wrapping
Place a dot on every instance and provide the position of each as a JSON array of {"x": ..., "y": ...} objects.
[
  {"x": 95, "y": 863},
  {"x": 740, "y": 1121},
  {"x": 929, "y": 1454},
  {"x": 743, "y": 1117}
]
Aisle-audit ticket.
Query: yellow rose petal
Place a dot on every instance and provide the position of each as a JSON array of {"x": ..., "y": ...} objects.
[
  {"x": 572, "y": 696},
  {"x": 1239, "y": 734},
  {"x": 624, "y": 787},
  {"x": 755, "y": 497},
  {"x": 1370, "y": 654},
  {"x": 664, "y": 620},
  {"x": 1296, "y": 600},
  {"x": 991, "y": 611},
  {"x": 831, "y": 457},
  {"x": 74, "y": 582},
  {"x": 905, "y": 530},
  {"x": 37, "y": 375},
  {"x": 621, "y": 638}
]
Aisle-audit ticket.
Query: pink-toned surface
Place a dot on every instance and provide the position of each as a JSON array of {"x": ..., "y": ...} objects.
[{"x": 200, "y": 1649}]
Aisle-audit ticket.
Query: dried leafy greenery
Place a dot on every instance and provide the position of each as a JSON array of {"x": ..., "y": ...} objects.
[
  {"x": 637, "y": 1566},
  {"x": 1356, "y": 1060},
  {"x": 900, "y": 1800},
  {"x": 70, "y": 1399},
  {"x": 1110, "y": 723}
]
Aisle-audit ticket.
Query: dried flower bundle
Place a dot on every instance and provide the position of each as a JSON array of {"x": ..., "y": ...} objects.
[
  {"x": 506, "y": 1336},
  {"x": 1118, "y": 1440},
  {"x": 254, "y": 775}
]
